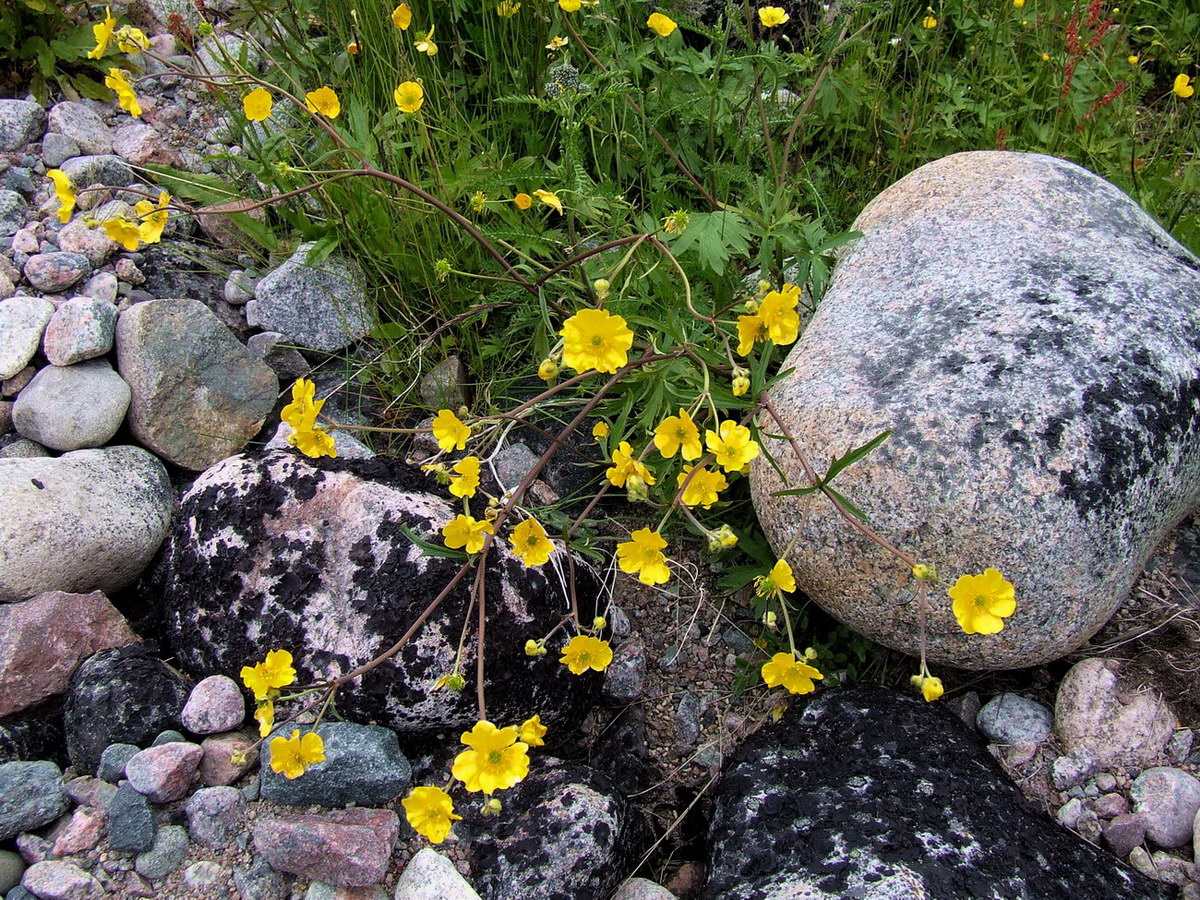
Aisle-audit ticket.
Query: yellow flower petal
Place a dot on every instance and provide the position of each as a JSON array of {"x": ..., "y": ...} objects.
[
  {"x": 409, "y": 96},
  {"x": 596, "y": 339},
  {"x": 660, "y": 24},
  {"x": 257, "y": 104},
  {"x": 324, "y": 101},
  {"x": 402, "y": 17}
]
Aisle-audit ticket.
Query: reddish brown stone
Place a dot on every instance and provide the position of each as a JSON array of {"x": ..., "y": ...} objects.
[
  {"x": 217, "y": 768},
  {"x": 348, "y": 848},
  {"x": 43, "y": 641},
  {"x": 81, "y": 832}
]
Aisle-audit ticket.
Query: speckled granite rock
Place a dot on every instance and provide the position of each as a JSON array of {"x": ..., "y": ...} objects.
[
  {"x": 315, "y": 549},
  {"x": 867, "y": 792},
  {"x": 1031, "y": 339},
  {"x": 565, "y": 833},
  {"x": 198, "y": 394},
  {"x": 323, "y": 307},
  {"x": 72, "y": 407}
]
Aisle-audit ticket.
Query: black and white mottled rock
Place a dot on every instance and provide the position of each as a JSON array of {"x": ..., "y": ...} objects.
[
  {"x": 21, "y": 122},
  {"x": 13, "y": 212},
  {"x": 31, "y": 795},
  {"x": 23, "y": 320},
  {"x": 72, "y": 407},
  {"x": 57, "y": 149},
  {"x": 83, "y": 125},
  {"x": 216, "y": 816},
  {"x": 57, "y": 271},
  {"x": 321, "y": 307},
  {"x": 363, "y": 765},
  {"x": 165, "y": 854},
  {"x": 87, "y": 520},
  {"x": 281, "y": 551},
  {"x": 1013, "y": 719},
  {"x": 34, "y": 734},
  {"x": 565, "y": 833},
  {"x": 198, "y": 394},
  {"x": 131, "y": 825},
  {"x": 1101, "y": 717},
  {"x": 82, "y": 328},
  {"x": 258, "y": 881},
  {"x": 215, "y": 704},
  {"x": 431, "y": 876},
  {"x": 1030, "y": 338},
  {"x": 1167, "y": 800},
  {"x": 119, "y": 696},
  {"x": 868, "y": 792}
]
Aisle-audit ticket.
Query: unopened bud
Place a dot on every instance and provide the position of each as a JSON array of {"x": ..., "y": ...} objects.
[
  {"x": 769, "y": 619},
  {"x": 442, "y": 269},
  {"x": 492, "y": 807},
  {"x": 532, "y": 647},
  {"x": 599, "y": 622},
  {"x": 601, "y": 286},
  {"x": 636, "y": 489},
  {"x": 924, "y": 572},
  {"x": 751, "y": 307},
  {"x": 741, "y": 386},
  {"x": 548, "y": 370},
  {"x": 205, "y": 29}
]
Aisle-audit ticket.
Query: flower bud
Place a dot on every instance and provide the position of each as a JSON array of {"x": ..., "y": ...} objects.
[
  {"x": 492, "y": 806},
  {"x": 601, "y": 286},
  {"x": 441, "y": 269},
  {"x": 204, "y": 29},
  {"x": 751, "y": 307},
  {"x": 532, "y": 647},
  {"x": 810, "y": 653},
  {"x": 548, "y": 370},
  {"x": 721, "y": 539},
  {"x": 599, "y": 622},
  {"x": 770, "y": 619},
  {"x": 924, "y": 572},
  {"x": 741, "y": 386},
  {"x": 490, "y": 513},
  {"x": 636, "y": 489}
]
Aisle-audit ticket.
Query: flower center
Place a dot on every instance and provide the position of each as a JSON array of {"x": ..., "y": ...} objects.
[
  {"x": 496, "y": 757},
  {"x": 981, "y": 602},
  {"x": 597, "y": 340}
]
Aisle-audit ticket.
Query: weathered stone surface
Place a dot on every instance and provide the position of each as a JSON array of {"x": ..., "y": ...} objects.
[
  {"x": 1167, "y": 800},
  {"x": 198, "y": 394},
  {"x": 139, "y": 143},
  {"x": 81, "y": 832},
  {"x": 31, "y": 795},
  {"x": 57, "y": 149},
  {"x": 87, "y": 520},
  {"x": 248, "y": 550},
  {"x": 103, "y": 170},
  {"x": 13, "y": 212},
  {"x": 56, "y": 880},
  {"x": 565, "y": 833},
  {"x": 864, "y": 791},
  {"x": 22, "y": 323},
  {"x": 82, "y": 328},
  {"x": 322, "y": 307},
  {"x": 431, "y": 876},
  {"x": 216, "y": 222},
  {"x": 83, "y": 125},
  {"x": 78, "y": 236},
  {"x": 1038, "y": 376},
  {"x": 363, "y": 765},
  {"x": 44, "y": 639},
  {"x": 123, "y": 695},
  {"x": 215, "y": 704},
  {"x": 217, "y": 768},
  {"x": 165, "y": 855},
  {"x": 216, "y": 816},
  {"x": 345, "y": 445},
  {"x": 1100, "y": 717},
  {"x": 350, "y": 847},
  {"x": 1013, "y": 719},
  {"x": 54, "y": 272},
  {"x": 164, "y": 772},
  {"x": 21, "y": 122},
  {"x": 131, "y": 825},
  {"x": 642, "y": 889},
  {"x": 72, "y": 407}
]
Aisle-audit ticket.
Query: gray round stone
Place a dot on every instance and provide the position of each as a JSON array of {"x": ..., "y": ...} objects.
[
  {"x": 11, "y": 869},
  {"x": 72, "y": 407},
  {"x": 113, "y": 761},
  {"x": 83, "y": 125},
  {"x": 21, "y": 122},
  {"x": 1167, "y": 800},
  {"x": 165, "y": 855},
  {"x": 54, "y": 272},
  {"x": 12, "y": 212},
  {"x": 323, "y": 307},
  {"x": 31, "y": 795},
  {"x": 1013, "y": 719},
  {"x": 216, "y": 816},
  {"x": 22, "y": 322},
  {"x": 363, "y": 765},
  {"x": 1029, "y": 337},
  {"x": 216, "y": 704},
  {"x": 82, "y": 328},
  {"x": 57, "y": 149}
]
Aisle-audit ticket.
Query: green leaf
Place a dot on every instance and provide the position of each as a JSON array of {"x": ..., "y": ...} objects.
[
  {"x": 206, "y": 189},
  {"x": 715, "y": 238},
  {"x": 853, "y": 456},
  {"x": 431, "y": 549},
  {"x": 850, "y": 507},
  {"x": 797, "y": 492},
  {"x": 321, "y": 250},
  {"x": 389, "y": 331}
]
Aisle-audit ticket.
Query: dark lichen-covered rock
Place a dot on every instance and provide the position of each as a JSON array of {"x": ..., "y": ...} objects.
[
  {"x": 120, "y": 696},
  {"x": 1031, "y": 339},
  {"x": 363, "y": 765},
  {"x": 278, "y": 551},
  {"x": 565, "y": 834},
  {"x": 867, "y": 792}
]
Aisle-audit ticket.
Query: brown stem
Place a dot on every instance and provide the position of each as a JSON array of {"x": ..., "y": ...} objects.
[
  {"x": 587, "y": 254},
  {"x": 480, "y": 595},
  {"x": 808, "y": 102}
]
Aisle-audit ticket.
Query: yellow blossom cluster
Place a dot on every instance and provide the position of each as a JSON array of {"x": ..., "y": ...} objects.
[{"x": 301, "y": 414}]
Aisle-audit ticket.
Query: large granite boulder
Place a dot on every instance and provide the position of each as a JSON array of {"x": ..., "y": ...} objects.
[
  {"x": 84, "y": 521},
  {"x": 867, "y": 792},
  {"x": 198, "y": 394},
  {"x": 279, "y": 551},
  {"x": 1031, "y": 340}
]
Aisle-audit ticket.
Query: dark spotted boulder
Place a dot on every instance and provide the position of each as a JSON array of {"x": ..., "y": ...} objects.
[
  {"x": 316, "y": 557},
  {"x": 1031, "y": 339},
  {"x": 565, "y": 833},
  {"x": 866, "y": 792}
]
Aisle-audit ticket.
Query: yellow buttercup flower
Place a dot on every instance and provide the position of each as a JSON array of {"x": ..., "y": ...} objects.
[
  {"x": 301, "y": 414},
  {"x": 257, "y": 104},
  {"x": 600, "y": 430},
  {"x": 523, "y": 201},
  {"x": 794, "y": 675},
  {"x": 65, "y": 191},
  {"x": 982, "y": 602},
  {"x": 153, "y": 218},
  {"x": 1132, "y": 60},
  {"x": 124, "y": 232},
  {"x": 585, "y": 652},
  {"x": 466, "y": 532},
  {"x": 771, "y": 16},
  {"x": 557, "y": 43},
  {"x": 530, "y": 543},
  {"x": 313, "y": 443},
  {"x": 132, "y": 40},
  {"x": 732, "y": 444},
  {"x": 402, "y": 17},
  {"x": 532, "y": 731},
  {"x": 660, "y": 24},
  {"x": 507, "y": 9},
  {"x": 103, "y": 33},
  {"x": 930, "y": 687},
  {"x": 409, "y": 96},
  {"x": 467, "y": 480},
  {"x": 779, "y": 580},
  {"x": 678, "y": 434},
  {"x": 271, "y": 674},
  {"x": 124, "y": 90},
  {"x": 929, "y": 22},
  {"x": 625, "y": 467},
  {"x": 450, "y": 432},
  {"x": 643, "y": 554},
  {"x": 324, "y": 101},
  {"x": 264, "y": 715},
  {"x": 291, "y": 756},
  {"x": 596, "y": 339},
  {"x": 550, "y": 199},
  {"x": 430, "y": 811},
  {"x": 1045, "y": 57},
  {"x": 426, "y": 44},
  {"x": 569, "y": 5},
  {"x": 1182, "y": 86},
  {"x": 1018, "y": 3},
  {"x": 703, "y": 489},
  {"x": 775, "y": 319},
  {"x": 496, "y": 760}
]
